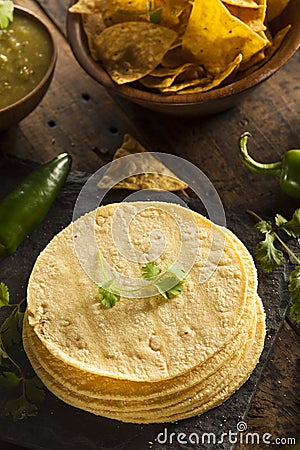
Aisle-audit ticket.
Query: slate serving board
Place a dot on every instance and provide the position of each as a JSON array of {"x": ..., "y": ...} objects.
[{"x": 61, "y": 427}]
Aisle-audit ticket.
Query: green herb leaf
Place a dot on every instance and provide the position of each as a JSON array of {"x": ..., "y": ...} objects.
[
  {"x": 264, "y": 226},
  {"x": 3, "y": 355},
  {"x": 107, "y": 296},
  {"x": 280, "y": 220},
  {"x": 270, "y": 257},
  {"x": 4, "y": 295},
  {"x": 34, "y": 390},
  {"x": 6, "y": 13},
  {"x": 150, "y": 270},
  {"x": 176, "y": 289},
  {"x": 9, "y": 380},
  {"x": 176, "y": 269},
  {"x": 11, "y": 329},
  {"x": 155, "y": 16},
  {"x": 168, "y": 283},
  {"x": 294, "y": 289},
  {"x": 267, "y": 254},
  {"x": 169, "y": 286},
  {"x": 291, "y": 227},
  {"x": 20, "y": 408}
]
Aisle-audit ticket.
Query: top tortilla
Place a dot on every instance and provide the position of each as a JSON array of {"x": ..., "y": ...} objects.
[{"x": 139, "y": 339}]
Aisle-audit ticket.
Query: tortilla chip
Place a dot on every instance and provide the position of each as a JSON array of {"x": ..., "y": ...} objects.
[
  {"x": 164, "y": 77},
  {"x": 171, "y": 12},
  {"x": 215, "y": 37},
  {"x": 254, "y": 18},
  {"x": 129, "y": 51},
  {"x": 260, "y": 59},
  {"x": 242, "y": 3},
  {"x": 155, "y": 174},
  {"x": 84, "y": 7},
  {"x": 205, "y": 84},
  {"x": 277, "y": 41},
  {"x": 93, "y": 25}
]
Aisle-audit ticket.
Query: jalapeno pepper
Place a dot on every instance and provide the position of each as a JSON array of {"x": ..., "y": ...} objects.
[
  {"x": 26, "y": 206},
  {"x": 287, "y": 170}
]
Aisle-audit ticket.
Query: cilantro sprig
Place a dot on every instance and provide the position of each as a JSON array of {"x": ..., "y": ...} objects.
[
  {"x": 30, "y": 390},
  {"x": 167, "y": 281},
  {"x": 270, "y": 257},
  {"x": 6, "y": 13}
]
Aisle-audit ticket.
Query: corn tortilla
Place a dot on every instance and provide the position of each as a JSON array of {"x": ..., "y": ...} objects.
[
  {"x": 66, "y": 315},
  {"x": 63, "y": 323},
  {"x": 186, "y": 386},
  {"x": 107, "y": 388},
  {"x": 198, "y": 403}
]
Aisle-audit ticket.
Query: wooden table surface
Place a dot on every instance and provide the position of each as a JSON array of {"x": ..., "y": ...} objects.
[{"x": 77, "y": 115}]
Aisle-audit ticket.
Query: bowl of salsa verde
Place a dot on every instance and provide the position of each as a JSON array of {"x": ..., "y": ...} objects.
[{"x": 27, "y": 61}]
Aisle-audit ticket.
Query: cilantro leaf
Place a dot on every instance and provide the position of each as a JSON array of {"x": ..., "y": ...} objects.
[
  {"x": 267, "y": 254},
  {"x": 264, "y": 226},
  {"x": 161, "y": 290},
  {"x": 34, "y": 390},
  {"x": 4, "y": 295},
  {"x": 20, "y": 408},
  {"x": 155, "y": 16},
  {"x": 291, "y": 227},
  {"x": 294, "y": 289},
  {"x": 3, "y": 354},
  {"x": 169, "y": 285},
  {"x": 6, "y": 13},
  {"x": 280, "y": 220},
  {"x": 176, "y": 289},
  {"x": 107, "y": 296},
  {"x": 150, "y": 270},
  {"x": 176, "y": 269},
  {"x": 9, "y": 380},
  {"x": 11, "y": 328}
]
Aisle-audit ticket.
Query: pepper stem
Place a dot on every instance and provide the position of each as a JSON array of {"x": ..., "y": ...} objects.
[{"x": 270, "y": 169}]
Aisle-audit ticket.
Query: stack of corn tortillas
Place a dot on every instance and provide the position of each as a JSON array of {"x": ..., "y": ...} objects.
[{"x": 145, "y": 359}]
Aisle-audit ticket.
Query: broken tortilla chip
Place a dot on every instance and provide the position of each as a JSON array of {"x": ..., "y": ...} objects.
[{"x": 153, "y": 173}]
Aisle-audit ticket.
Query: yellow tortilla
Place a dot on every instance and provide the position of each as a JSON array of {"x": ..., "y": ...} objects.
[
  {"x": 209, "y": 338},
  {"x": 188, "y": 323},
  {"x": 218, "y": 387}
]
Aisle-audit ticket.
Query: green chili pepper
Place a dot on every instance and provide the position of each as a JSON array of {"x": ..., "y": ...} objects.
[
  {"x": 26, "y": 206},
  {"x": 287, "y": 170}
]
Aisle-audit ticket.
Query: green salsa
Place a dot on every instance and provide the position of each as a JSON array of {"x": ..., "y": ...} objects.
[{"x": 25, "y": 53}]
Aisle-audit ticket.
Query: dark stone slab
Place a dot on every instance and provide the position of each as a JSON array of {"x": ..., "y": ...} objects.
[{"x": 62, "y": 427}]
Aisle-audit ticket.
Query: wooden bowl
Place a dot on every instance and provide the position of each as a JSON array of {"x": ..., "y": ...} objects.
[
  {"x": 14, "y": 113},
  {"x": 199, "y": 104}
]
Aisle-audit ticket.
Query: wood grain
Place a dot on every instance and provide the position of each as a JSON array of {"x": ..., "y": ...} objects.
[{"x": 79, "y": 116}]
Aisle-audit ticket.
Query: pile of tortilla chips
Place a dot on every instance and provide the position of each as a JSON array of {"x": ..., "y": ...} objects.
[
  {"x": 146, "y": 359},
  {"x": 180, "y": 46}
]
